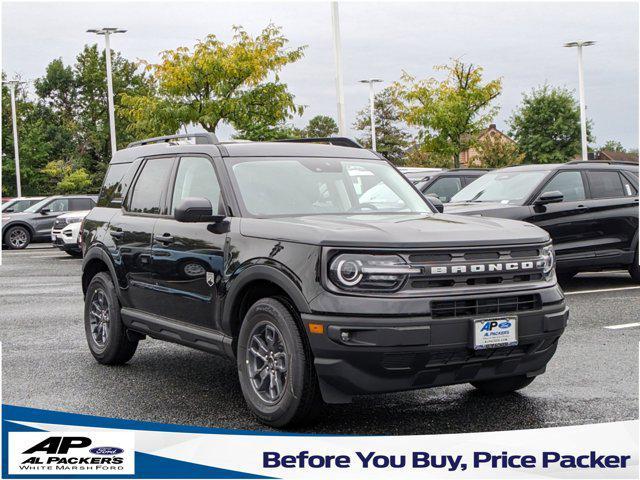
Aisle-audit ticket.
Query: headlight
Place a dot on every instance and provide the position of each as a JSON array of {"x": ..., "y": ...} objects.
[
  {"x": 549, "y": 258},
  {"x": 71, "y": 220},
  {"x": 359, "y": 272}
]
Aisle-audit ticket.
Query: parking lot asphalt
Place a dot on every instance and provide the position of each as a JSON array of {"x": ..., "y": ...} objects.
[{"x": 46, "y": 364}]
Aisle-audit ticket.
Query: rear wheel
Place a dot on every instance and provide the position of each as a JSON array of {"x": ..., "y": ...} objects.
[
  {"x": 106, "y": 334},
  {"x": 17, "y": 238},
  {"x": 503, "y": 385},
  {"x": 275, "y": 366},
  {"x": 634, "y": 269}
]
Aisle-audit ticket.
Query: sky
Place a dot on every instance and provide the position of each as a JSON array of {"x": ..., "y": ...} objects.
[{"x": 518, "y": 41}]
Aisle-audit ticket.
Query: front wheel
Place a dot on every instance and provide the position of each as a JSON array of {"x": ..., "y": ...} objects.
[
  {"x": 634, "y": 269},
  {"x": 106, "y": 334},
  {"x": 503, "y": 385},
  {"x": 17, "y": 238},
  {"x": 275, "y": 366}
]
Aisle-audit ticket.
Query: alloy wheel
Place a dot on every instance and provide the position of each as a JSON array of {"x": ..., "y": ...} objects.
[
  {"x": 267, "y": 362},
  {"x": 99, "y": 317},
  {"x": 18, "y": 238}
]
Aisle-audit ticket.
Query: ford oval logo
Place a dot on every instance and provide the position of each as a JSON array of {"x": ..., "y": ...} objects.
[
  {"x": 106, "y": 451},
  {"x": 505, "y": 325}
]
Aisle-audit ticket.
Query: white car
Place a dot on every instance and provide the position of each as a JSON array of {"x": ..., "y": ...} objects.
[{"x": 66, "y": 230}]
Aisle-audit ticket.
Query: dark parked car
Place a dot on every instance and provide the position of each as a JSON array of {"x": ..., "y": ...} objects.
[
  {"x": 34, "y": 224},
  {"x": 17, "y": 205},
  {"x": 275, "y": 255},
  {"x": 447, "y": 183},
  {"x": 590, "y": 209}
]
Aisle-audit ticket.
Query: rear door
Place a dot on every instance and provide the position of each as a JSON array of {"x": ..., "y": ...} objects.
[
  {"x": 569, "y": 223},
  {"x": 43, "y": 221},
  {"x": 614, "y": 210},
  {"x": 131, "y": 231},
  {"x": 188, "y": 258}
]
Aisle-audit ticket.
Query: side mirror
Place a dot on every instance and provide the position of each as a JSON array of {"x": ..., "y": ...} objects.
[
  {"x": 549, "y": 197},
  {"x": 435, "y": 202},
  {"x": 9, "y": 210},
  {"x": 45, "y": 211},
  {"x": 196, "y": 209}
]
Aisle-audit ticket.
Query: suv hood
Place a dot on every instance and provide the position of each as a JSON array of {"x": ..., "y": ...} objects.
[{"x": 412, "y": 230}]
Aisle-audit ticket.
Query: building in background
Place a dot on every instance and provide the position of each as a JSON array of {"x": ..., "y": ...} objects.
[{"x": 467, "y": 157}]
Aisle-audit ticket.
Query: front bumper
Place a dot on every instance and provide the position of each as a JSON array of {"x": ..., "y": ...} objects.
[
  {"x": 387, "y": 354},
  {"x": 65, "y": 244}
]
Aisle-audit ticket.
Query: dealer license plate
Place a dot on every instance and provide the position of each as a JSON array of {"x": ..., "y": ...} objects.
[
  {"x": 495, "y": 332},
  {"x": 53, "y": 238}
]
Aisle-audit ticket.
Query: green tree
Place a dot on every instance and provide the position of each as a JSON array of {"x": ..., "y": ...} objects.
[
  {"x": 546, "y": 125},
  {"x": 391, "y": 139},
  {"x": 450, "y": 113},
  {"x": 495, "y": 152},
  {"x": 260, "y": 132},
  {"x": 321, "y": 126},
  {"x": 67, "y": 179},
  {"x": 236, "y": 83},
  {"x": 613, "y": 146}
]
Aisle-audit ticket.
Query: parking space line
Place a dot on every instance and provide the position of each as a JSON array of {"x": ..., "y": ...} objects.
[
  {"x": 623, "y": 325},
  {"x": 614, "y": 289}
]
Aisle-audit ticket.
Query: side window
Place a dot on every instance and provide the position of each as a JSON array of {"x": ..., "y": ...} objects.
[
  {"x": 629, "y": 188},
  {"x": 147, "y": 191},
  {"x": 197, "y": 178},
  {"x": 445, "y": 188},
  {"x": 76, "y": 204},
  {"x": 569, "y": 183},
  {"x": 114, "y": 185},
  {"x": 605, "y": 184},
  {"x": 59, "y": 205}
]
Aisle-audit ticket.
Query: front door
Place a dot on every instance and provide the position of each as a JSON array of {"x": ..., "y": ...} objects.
[
  {"x": 44, "y": 219},
  {"x": 188, "y": 258},
  {"x": 568, "y": 222}
]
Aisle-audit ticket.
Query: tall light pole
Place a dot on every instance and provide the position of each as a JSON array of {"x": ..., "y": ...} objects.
[
  {"x": 16, "y": 149},
  {"x": 337, "y": 53},
  {"x": 107, "y": 32},
  {"x": 583, "y": 108},
  {"x": 372, "y": 109}
]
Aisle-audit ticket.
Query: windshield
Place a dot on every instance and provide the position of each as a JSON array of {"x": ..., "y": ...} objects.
[
  {"x": 37, "y": 206},
  {"x": 308, "y": 186},
  {"x": 503, "y": 187}
]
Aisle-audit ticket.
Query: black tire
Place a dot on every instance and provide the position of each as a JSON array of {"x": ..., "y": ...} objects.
[
  {"x": 634, "y": 269},
  {"x": 17, "y": 238},
  {"x": 117, "y": 348},
  {"x": 503, "y": 385},
  {"x": 300, "y": 398}
]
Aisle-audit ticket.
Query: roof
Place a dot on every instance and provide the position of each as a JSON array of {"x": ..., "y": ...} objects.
[
  {"x": 571, "y": 166},
  {"x": 245, "y": 149}
]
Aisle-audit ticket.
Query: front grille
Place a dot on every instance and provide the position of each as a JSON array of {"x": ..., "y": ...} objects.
[
  {"x": 59, "y": 224},
  {"x": 441, "y": 269},
  {"x": 484, "y": 306}
]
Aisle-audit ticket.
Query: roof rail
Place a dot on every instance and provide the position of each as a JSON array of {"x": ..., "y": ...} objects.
[
  {"x": 200, "y": 138},
  {"x": 463, "y": 169},
  {"x": 609, "y": 162},
  {"x": 338, "y": 141}
]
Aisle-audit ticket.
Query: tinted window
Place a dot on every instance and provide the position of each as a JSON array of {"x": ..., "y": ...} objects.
[
  {"x": 444, "y": 188},
  {"x": 196, "y": 178},
  {"x": 114, "y": 185},
  {"x": 569, "y": 184},
  {"x": 605, "y": 184},
  {"x": 80, "y": 204},
  {"x": 629, "y": 188},
  {"x": 147, "y": 191},
  {"x": 504, "y": 186},
  {"x": 58, "y": 205}
]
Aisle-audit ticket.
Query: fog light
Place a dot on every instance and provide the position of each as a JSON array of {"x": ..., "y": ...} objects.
[{"x": 345, "y": 336}]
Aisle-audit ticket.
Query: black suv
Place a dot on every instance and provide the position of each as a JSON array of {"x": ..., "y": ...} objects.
[
  {"x": 265, "y": 252},
  {"x": 590, "y": 210}
]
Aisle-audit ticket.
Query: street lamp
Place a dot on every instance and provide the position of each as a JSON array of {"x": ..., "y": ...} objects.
[
  {"x": 337, "y": 53},
  {"x": 107, "y": 31},
  {"x": 16, "y": 150},
  {"x": 583, "y": 108},
  {"x": 372, "y": 111}
]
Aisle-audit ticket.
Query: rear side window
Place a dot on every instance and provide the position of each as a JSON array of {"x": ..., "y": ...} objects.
[
  {"x": 605, "y": 184},
  {"x": 114, "y": 185},
  {"x": 196, "y": 178},
  {"x": 148, "y": 189},
  {"x": 445, "y": 188},
  {"x": 570, "y": 184},
  {"x": 76, "y": 204}
]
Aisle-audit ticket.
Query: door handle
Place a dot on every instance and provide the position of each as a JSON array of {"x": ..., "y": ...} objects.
[
  {"x": 166, "y": 238},
  {"x": 117, "y": 233}
]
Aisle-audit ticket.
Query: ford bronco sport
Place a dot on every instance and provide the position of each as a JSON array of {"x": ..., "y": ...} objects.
[{"x": 267, "y": 253}]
